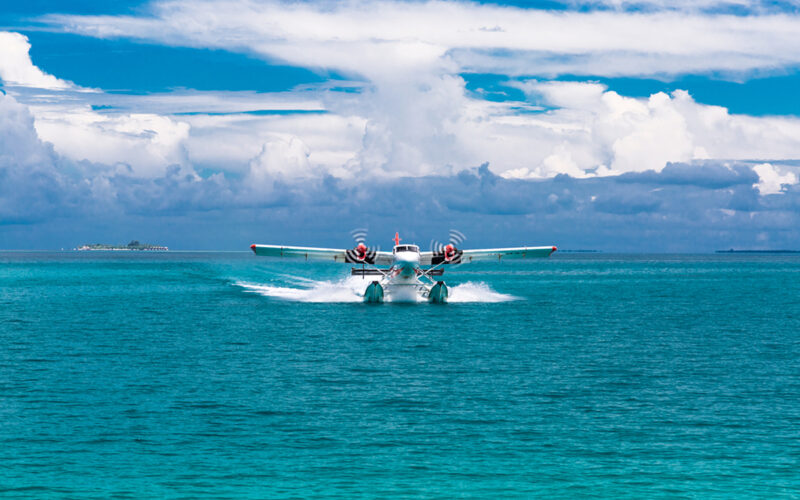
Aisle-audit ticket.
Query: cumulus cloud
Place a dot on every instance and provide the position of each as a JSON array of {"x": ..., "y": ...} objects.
[
  {"x": 399, "y": 130},
  {"x": 416, "y": 117},
  {"x": 146, "y": 142},
  {"x": 281, "y": 158},
  {"x": 231, "y": 142},
  {"x": 16, "y": 67},
  {"x": 38, "y": 184},
  {"x": 421, "y": 124},
  {"x": 610, "y": 134},
  {"x": 684, "y": 207},
  {"x": 770, "y": 179},
  {"x": 31, "y": 185}
]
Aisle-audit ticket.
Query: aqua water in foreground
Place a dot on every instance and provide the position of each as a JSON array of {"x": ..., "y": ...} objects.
[{"x": 223, "y": 375}]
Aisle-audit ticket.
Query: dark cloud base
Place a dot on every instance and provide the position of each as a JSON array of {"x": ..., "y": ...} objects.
[{"x": 684, "y": 208}]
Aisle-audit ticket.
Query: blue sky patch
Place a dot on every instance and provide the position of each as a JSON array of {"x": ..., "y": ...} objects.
[
  {"x": 759, "y": 96},
  {"x": 123, "y": 65}
]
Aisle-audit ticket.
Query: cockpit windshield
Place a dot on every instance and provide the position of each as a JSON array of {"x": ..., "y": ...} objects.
[{"x": 406, "y": 248}]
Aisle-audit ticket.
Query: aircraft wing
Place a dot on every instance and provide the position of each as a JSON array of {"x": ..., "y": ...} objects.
[
  {"x": 485, "y": 255},
  {"x": 322, "y": 254}
]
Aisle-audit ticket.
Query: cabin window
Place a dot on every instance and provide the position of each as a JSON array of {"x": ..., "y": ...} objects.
[{"x": 407, "y": 248}]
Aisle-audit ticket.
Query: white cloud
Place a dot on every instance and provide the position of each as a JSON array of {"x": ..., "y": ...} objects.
[
  {"x": 770, "y": 179},
  {"x": 280, "y": 158},
  {"x": 20, "y": 147},
  {"x": 229, "y": 142},
  {"x": 212, "y": 102},
  {"x": 29, "y": 179},
  {"x": 148, "y": 143},
  {"x": 16, "y": 67},
  {"x": 389, "y": 38},
  {"x": 401, "y": 131},
  {"x": 392, "y": 130},
  {"x": 414, "y": 116},
  {"x": 41, "y": 189},
  {"x": 686, "y": 5},
  {"x": 601, "y": 127}
]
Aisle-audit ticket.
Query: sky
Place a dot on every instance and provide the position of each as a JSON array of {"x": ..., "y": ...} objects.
[{"x": 646, "y": 126}]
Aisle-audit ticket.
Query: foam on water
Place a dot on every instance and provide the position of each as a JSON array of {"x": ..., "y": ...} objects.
[
  {"x": 346, "y": 290},
  {"x": 351, "y": 289},
  {"x": 477, "y": 292}
]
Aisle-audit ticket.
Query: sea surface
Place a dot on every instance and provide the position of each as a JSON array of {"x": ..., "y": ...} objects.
[{"x": 225, "y": 375}]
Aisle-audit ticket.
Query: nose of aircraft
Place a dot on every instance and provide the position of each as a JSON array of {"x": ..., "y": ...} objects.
[
  {"x": 407, "y": 262},
  {"x": 406, "y": 267}
]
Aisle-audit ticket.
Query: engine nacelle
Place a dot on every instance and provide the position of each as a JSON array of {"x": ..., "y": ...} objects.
[
  {"x": 448, "y": 254},
  {"x": 361, "y": 254}
]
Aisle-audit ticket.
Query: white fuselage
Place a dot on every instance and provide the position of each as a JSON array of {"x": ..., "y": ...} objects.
[
  {"x": 403, "y": 283},
  {"x": 406, "y": 264}
]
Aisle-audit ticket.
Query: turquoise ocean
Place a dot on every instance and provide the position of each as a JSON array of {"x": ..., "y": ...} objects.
[{"x": 224, "y": 375}]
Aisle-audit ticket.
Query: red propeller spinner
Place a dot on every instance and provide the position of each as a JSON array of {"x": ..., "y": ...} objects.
[
  {"x": 449, "y": 252},
  {"x": 361, "y": 251}
]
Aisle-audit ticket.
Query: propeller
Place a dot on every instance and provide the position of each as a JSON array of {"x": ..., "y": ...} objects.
[
  {"x": 448, "y": 253},
  {"x": 361, "y": 253}
]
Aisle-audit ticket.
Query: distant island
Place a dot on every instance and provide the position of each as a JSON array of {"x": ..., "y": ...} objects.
[
  {"x": 133, "y": 245},
  {"x": 757, "y": 251}
]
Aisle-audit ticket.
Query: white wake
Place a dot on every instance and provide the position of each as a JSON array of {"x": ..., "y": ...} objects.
[
  {"x": 351, "y": 289},
  {"x": 477, "y": 292},
  {"x": 347, "y": 290}
]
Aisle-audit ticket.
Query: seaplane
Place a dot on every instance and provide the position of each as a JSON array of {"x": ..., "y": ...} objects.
[{"x": 410, "y": 274}]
